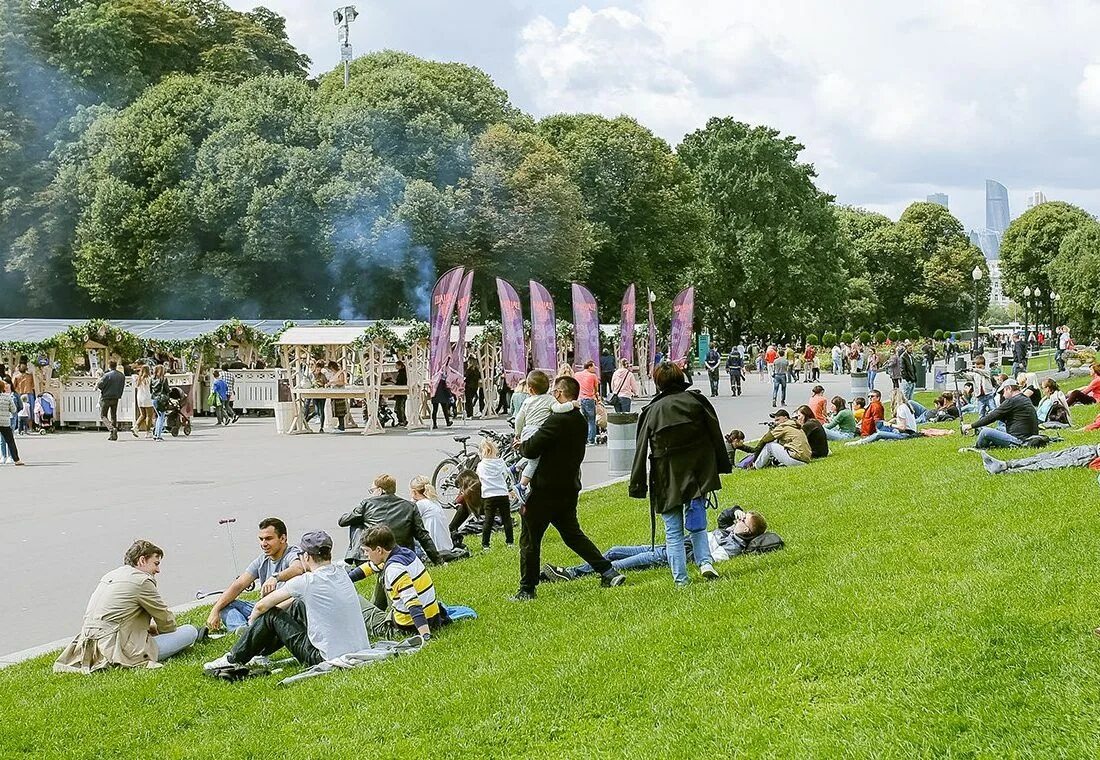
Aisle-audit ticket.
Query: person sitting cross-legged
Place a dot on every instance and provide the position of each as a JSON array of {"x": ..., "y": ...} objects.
[
  {"x": 317, "y": 615},
  {"x": 269, "y": 568},
  {"x": 736, "y": 529},
  {"x": 901, "y": 427},
  {"x": 413, "y": 607},
  {"x": 1016, "y": 412}
]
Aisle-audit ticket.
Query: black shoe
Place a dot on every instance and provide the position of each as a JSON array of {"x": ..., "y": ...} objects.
[
  {"x": 615, "y": 579},
  {"x": 523, "y": 596},
  {"x": 204, "y": 634},
  {"x": 553, "y": 573},
  {"x": 112, "y": 437}
]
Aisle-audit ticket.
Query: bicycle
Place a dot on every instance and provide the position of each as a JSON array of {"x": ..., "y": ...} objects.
[{"x": 445, "y": 477}]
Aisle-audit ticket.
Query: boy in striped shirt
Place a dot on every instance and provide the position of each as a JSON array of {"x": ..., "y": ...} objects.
[{"x": 413, "y": 606}]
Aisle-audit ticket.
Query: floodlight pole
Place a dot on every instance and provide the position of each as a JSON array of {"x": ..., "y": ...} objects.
[{"x": 343, "y": 17}]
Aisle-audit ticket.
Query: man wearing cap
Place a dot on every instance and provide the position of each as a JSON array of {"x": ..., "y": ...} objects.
[
  {"x": 785, "y": 444},
  {"x": 317, "y": 615},
  {"x": 1016, "y": 412}
]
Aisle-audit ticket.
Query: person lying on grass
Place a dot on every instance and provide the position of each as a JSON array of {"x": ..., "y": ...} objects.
[
  {"x": 1074, "y": 456},
  {"x": 317, "y": 615},
  {"x": 902, "y": 426},
  {"x": 277, "y": 555},
  {"x": 127, "y": 624},
  {"x": 1017, "y": 414},
  {"x": 736, "y": 530},
  {"x": 413, "y": 607}
]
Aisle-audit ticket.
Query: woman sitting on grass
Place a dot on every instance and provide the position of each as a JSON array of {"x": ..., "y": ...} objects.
[
  {"x": 843, "y": 425},
  {"x": 1053, "y": 410},
  {"x": 902, "y": 426},
  {"x": 1090, "y": 394}
]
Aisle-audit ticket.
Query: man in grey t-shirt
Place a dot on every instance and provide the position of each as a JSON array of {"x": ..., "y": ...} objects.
[
  {"x": 269, "y": 568},
  {"x": 780, "y": 368}
]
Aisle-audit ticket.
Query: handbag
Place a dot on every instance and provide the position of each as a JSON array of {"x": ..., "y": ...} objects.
[{"x": 614, "y": 400}]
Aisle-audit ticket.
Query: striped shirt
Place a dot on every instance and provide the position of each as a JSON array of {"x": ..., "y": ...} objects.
[{"x": 410, "y": 588}]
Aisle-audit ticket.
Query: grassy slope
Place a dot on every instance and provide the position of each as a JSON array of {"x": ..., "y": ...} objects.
[{"x": 922, "y": 608}]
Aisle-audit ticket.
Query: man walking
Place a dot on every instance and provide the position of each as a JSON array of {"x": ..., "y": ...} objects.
[
  {"x": 713, "y": 363},
  {"x": 908, "y": 371},
  {"x": 23, "y": 385},
  {"x": 223, "y": 409},
  {"x": 780, "y": 367},
  {"x": 111, "y": 387},
  {"x": 589, "y": 382},
  {"x": 607, "y": 371},
  {"x": 1019, "y": 355},
  {"x": 555, "y": 489},
  {"x": 735, "y": 366}
]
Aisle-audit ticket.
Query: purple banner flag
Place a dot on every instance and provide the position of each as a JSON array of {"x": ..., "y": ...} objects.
[
  {"x": 683, "y": 316},
  {"x": 626, "y": 326},
  {"x": 512, "y": 347},
  {"x": 456, "y": 366},
  {"x": 586, "y": 324},
  {"x": 544, "y": 330},
  {"x": 444, "y": 297},
  {"x": 652, "y": 358}
]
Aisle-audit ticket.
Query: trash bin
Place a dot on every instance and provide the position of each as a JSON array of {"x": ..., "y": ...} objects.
[
  {"x": 622, "y": 432},
  {"x": 859, "y": 384},
  {"x": 939, "y": 376},
  {"x": 284, "y": 390},
  {"x": 284, "y": 416},
  {"x": 960, "y": 363},
  {"x": 922, "y": 374}
]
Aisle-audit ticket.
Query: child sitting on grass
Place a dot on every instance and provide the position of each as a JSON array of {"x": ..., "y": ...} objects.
[
  {"x": 493, "y": 473},
  {"x": 536, "y": 410}
]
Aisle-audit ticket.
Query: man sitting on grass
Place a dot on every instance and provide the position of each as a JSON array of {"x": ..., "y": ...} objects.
[
  {"x": 317, "y": 615},
  {"x": 736, "y": 530},
  {"x": 277, "y": 556},
  {"x": 1018, "y": 414},
  {"x": 784, "y": 444},
  {"x": 414, "y": 608}
]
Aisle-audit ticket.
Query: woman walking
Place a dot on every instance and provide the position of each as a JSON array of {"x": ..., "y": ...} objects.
[
  {"x": 624, "y": 387},
  {"x": 338, "y": 379},
  {"x": 441, "y": 399},
  {"x": 686, "y": 454},
  {"x": 159, "y": 389},
  {"x": 8, "y": 407},
  {"x": 146, "y": 414}
]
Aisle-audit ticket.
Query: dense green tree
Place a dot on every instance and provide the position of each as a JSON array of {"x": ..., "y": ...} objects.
[
  {"x": 777, "y": 248},
  {"x": 1075, "y": 275},
  {"x": 1032, "y": 241},
  {"x": 936, "y": 226},
  {"x": 856, "y": 225},
  {"x": 646, "y": 217}
]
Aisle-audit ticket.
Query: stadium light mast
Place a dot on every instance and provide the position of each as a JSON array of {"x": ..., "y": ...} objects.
[{"x": 342, "y": 17}]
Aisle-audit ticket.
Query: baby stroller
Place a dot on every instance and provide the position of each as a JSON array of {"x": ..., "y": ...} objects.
[
  {"x": 44, "y": 407},
  {"x": 177, "y": 420},
  {"x": 386, "y": 416}
]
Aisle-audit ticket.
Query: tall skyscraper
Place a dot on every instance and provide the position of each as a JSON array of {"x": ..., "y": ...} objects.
[
  {"x": 996, "y": 206},
  {"x": 1035, "y": 198},
  {"x": 976, "y": 238},
  {"x": 990, "y": 243},
  {"x": 938, "y": 198}
]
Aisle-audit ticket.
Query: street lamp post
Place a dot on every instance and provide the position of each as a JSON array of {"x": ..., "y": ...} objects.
[
  {"x": 1027, "y": 306},
  {"x": 342, "y": 17},
  {"x": 1038, "y": 312},
  {"x": 977, "y": 276}
]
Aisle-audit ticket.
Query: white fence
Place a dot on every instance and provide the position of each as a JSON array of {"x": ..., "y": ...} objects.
[{"x": 78, "y": 398}]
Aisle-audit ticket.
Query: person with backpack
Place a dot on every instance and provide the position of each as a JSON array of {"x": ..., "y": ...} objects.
[
  {"x": 1015, "y": 411},
  {"x": 713, "y": 363},
  {"x": 679, "y": 431},
  {"x": 735, "y": 366},
  {"x": 8, "y": 408},
  {"x": 738, "y": 532}
]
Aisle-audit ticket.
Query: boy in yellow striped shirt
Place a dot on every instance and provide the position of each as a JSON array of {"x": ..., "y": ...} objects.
[{"x": 413, "y": 605}]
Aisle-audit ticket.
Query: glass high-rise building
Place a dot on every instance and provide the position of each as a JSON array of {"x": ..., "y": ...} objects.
[
  {"x": 996, "y": 207},
  {"x": 938, "y": 198}
]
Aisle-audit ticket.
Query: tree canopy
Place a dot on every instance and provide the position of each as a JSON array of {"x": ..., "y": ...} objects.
[{"x": 1032, "y": 241}]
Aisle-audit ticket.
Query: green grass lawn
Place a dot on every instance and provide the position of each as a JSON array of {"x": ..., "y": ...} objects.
[{"x": 922, "y": 608}]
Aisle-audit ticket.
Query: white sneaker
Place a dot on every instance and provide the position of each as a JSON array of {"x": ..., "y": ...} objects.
[
  {"x": 708, "y": 572},
  {"x": 222, "y": 663},
  {"x": 3, "y": 460}
]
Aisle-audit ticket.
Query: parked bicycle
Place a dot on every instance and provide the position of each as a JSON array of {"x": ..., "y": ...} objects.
[{"x": 445, "y": 477}]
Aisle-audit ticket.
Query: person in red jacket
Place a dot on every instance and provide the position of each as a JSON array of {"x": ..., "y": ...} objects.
[
  {"x": 1090, "y": 394},
  {"x": 875, "y": 412}
]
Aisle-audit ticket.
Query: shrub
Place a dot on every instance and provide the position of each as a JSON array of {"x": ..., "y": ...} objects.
[
  {"x": 894, "y": 335},
  {"x": 880, "y": 336},
  {"x": 938, "y": 335},
  {"x": 865, "y": 337},
  {"x": 846, "y": 337},
  {"x": 914, "y": 335},
  {"x": 829, "y": 339},
  {"x": 811, "y": 340}
]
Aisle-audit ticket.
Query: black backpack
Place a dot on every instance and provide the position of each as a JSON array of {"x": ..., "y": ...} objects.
[{"x": 764, "y": 543}]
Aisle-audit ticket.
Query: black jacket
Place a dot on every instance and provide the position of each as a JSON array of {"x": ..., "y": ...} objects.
[
  {"x": 111, "y": 385},
  {"x": 1019, "y": 352},
  {"x": 1018, "y": 414},
  {"x": 679, "y": 430},
  {"x": 559, "y": 444},
  {"x": 819, "y": 442},
  {"x": 402, "y": 517},
  {"x": 908, "y": 367}
]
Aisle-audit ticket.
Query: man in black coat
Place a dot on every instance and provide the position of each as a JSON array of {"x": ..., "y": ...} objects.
[{"x": 559, "y": 444}]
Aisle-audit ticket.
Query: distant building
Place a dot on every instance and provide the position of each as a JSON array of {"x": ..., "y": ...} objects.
[
  {"x": 976, "y": 238},
  {"x": 990, "y": 243},
  {"x": 939, "y": 199},
  {"x": 1035, "y": 198},
  {"x": 997, "y": 216},
  {"x": 997, "y": 295}
]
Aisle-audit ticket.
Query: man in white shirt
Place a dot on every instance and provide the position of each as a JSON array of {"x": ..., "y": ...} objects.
[
  {"x": 1064, "y": 343},
  {"x": 277, "y": 556},
  {"x": 317, "y": 615}
]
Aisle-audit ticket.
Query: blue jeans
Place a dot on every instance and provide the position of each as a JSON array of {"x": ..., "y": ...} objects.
[
  {"x": 629, "y": 558},
  {"x": 779, "y": 382},
  {"x": 175, "y": 642},
  {"x": 991, "y": 438},
  {"x": 162, "y": 422},
  {"x": 836, "y": 434},
  {"x": 675, "y": 549},
  {"x": 588, "y": 408},
  {"x": 622, "y": 405},
  {"x": 907, "y": 388},
  {"x": 885, "y": 433},
  {"x": 920, "y": 411},
  {"x": 235, "y": 614},
  {"x": 986, "y": 404},
  {"x": 871, "y": 375}
]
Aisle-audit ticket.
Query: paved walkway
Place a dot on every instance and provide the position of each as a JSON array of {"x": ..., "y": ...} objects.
[{"x": 71, "y": 513}]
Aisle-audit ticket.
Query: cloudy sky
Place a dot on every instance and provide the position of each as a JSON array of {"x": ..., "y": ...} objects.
[{"x": 892, "y": 101}]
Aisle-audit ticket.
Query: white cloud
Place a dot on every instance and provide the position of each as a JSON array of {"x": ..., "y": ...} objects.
[{"x": 1088, "y": 98}]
